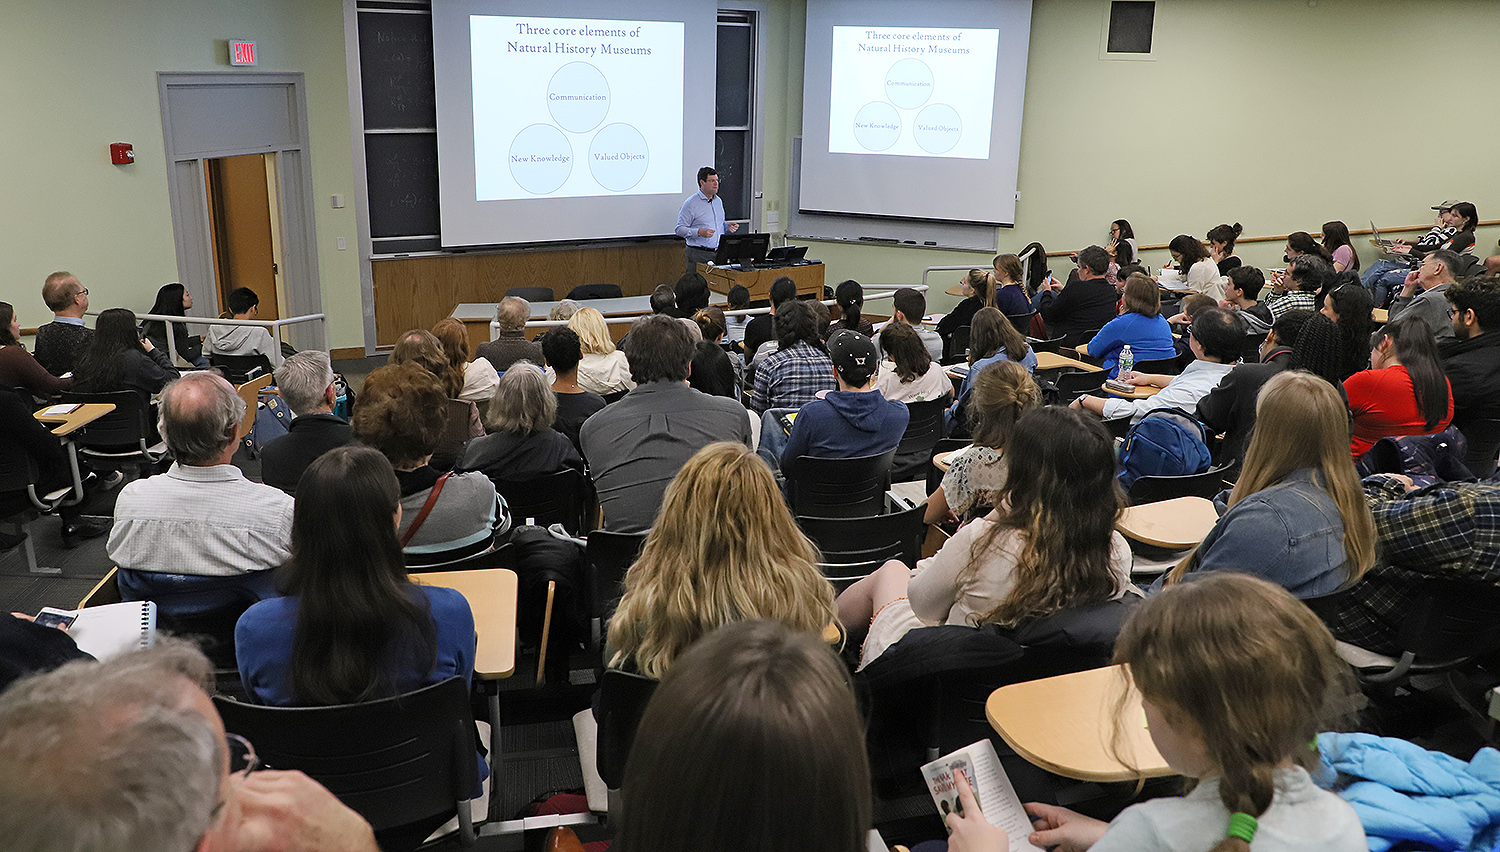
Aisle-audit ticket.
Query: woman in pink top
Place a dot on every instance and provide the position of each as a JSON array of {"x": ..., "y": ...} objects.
[{"x": 1405, "y": 392}]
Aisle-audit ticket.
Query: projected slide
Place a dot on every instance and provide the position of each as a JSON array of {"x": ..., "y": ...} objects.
[
  {"x": 565, "y": 108},
  {"x": 917, "y": 92}
]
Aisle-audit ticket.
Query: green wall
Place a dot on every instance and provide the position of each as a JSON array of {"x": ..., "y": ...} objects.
[
  {"x": 80, "y": 75},
  {"x": 1279, "y": 114}
]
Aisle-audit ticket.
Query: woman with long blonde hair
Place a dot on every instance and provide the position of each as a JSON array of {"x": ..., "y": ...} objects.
[
  {"x": 724, "y": 549},
  {"x": 603, "y": 368},
  {"x": 1297, "y": 515},
  {"x": 1048, "y": 545}
]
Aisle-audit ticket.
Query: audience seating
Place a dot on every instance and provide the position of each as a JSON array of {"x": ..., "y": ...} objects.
[
  {"x": 404, "y": 763},
  {"x": 944, "y": 445},
  {"x": 1076, "y": 383},
  {"x": 532, "y": 294},
  {"x": 958, "y": 344},
  {"x": 503, "y": 556},
  {"x": 20, "y": 503},
  {"x": 845, "y": 574},
  {"x": 1154, "y": 489},
  {"x": 611, "y": 398},
  {"x": 1448, "y": 624},
  {"x": 239, "y": 369},
  {"x": 119, "y": 437},
  {"x": 622, "y": 702},
  {"x": 565, "y": 497},
  {"x": 1250, "y": 348},
  {"x": 1483, "y": 438},
  {"x": 1022, "y": 322},
  {"x": 606, "y": 558},
  {"x": 923, "y": 430},
  {"x": 205, "y": 608},
  {"x": 1165, "y": 366},
  {"x": 595, "y": 291},
  {"x": 845, "y": 541},
  {"x": 250, "y": 393},
  {"x": 1051, "y": 344},
  {"x": 840, "y": 488},
  {"x": 455, "y": 435}
]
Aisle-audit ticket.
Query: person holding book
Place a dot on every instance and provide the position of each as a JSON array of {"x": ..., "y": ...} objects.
[{"x": 1237, "y": 678}]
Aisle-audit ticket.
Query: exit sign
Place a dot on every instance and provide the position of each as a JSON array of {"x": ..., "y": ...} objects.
[{"x": 241, "y": 52}]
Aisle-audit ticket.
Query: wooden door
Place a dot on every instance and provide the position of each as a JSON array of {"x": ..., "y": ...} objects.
[{"x": 240, "y": 218}]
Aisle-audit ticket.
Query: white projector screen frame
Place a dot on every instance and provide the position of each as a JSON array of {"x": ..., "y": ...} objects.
[
  {"x": 900, "y": 70},
  {"x": 601, "y": 160}
]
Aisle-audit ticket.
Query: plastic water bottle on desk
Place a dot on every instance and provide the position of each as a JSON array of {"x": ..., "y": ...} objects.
[{"x": 1127, "y": 360}]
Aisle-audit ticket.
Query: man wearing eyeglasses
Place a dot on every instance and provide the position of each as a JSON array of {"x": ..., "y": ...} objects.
[
  {"x": 60, "y": 343},
  {"x": 131, "y": 755},
  {"x": 1422, "y": 293}
]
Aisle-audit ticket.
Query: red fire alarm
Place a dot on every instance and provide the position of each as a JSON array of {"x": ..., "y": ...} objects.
[{"x": 121, "y": 153}]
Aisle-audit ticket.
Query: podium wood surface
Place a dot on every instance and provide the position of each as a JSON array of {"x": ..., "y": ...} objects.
[{"x": 809, "y": 278}]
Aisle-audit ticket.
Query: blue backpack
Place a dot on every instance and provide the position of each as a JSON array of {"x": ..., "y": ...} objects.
[{"x": 1166, "y": 442}]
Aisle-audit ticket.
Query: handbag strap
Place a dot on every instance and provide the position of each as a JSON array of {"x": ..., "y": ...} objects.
[{"x": 437, "y": 489}]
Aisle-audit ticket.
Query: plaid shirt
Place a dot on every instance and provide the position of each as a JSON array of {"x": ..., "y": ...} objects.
[
  {"x": 1448, "y": 531},
  {"x": 791, "y": 378},
  {"x": 1295, "y": 300}
]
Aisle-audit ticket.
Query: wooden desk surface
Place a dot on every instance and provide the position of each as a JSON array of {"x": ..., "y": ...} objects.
[
  {"x": 491, "y": 593},
  {"x": 941, "y": 460},
  {"x": 1142, "y": 392},
  {"x": 1178, "y": 523},
  {"x": 1054, "y": 361},
  {"x": 80, "y": 417},
  {"x": 1381, "y": 315},
  {"x": 956, "y": 290},
  {"x": 1066, "y": 724}
]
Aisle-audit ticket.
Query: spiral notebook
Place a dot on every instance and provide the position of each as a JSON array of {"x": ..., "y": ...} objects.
[{"x": 112, "y": 629}]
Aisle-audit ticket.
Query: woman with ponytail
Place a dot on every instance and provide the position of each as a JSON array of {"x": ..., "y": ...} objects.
[
  {"x": 851, "y": 299},
  {"x": 1237, "y": 678},
  {"x": 1002, "y": 393}
]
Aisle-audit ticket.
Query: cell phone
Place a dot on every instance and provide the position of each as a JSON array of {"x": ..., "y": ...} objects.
[
  {"x": 1117, "y": 385},
  {"x": 52, "y": 617}
]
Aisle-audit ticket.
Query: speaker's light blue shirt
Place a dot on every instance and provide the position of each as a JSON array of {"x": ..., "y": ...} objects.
[{"x": 700, "y": 212}]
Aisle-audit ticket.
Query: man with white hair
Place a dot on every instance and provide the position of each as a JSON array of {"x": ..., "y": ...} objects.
[
  {"x": 201, "y": 518},
  {"x": 305, "y": 381},
  {"x": 131, "y": 755}
]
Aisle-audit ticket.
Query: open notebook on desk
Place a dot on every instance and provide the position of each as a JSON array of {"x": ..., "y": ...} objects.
[{"x": 109, "y": 630}]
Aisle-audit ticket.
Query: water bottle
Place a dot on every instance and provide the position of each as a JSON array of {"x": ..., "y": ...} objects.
[{"x": 1127, "y": 360}]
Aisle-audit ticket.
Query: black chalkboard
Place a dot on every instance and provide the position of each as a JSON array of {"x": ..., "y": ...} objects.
[
  {"x": 395, "y": 70},
  {"x": 401, "y": 170}
]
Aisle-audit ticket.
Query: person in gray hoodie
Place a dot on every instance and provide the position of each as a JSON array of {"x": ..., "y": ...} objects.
[
  {"x": 243, "y": 339},
  {"x": 853, "y": 421}
]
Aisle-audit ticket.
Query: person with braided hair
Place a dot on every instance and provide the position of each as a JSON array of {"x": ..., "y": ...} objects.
[{"x": 1237, "y": 678}]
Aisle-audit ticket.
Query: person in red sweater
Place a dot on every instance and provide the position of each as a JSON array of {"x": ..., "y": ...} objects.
[{"x": 1404, "y": 392}]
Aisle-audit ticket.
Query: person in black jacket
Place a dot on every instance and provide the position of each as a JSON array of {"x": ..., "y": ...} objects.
[
  {"x": 174, "y": 300},
  {"x": 119, "y": 360},
  {"x": 1075, "y": 311},
  {"x": 522, "y": 445},
  {"x": 59, "y": 343},
  {"x": 1229, "y": 409},
  {"x": 762, "y": 328},
  {"x": 305, "y": 382},
  {"x": 1472, "y": 359},
  {"x": 979, "y": 292}
]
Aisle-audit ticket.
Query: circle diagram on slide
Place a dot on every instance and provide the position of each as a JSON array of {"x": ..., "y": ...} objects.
[
  {"x": 877, "y": 126},
  {"x": 909, "y": 83},
  {"x": 938, "y": 128},
  {"x": 618, "y": 157},
  {"x": 540, "y": 159},
  {"x": 578, "y": 97}
]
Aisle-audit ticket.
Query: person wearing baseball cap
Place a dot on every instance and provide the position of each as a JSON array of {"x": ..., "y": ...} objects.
[
  {"x": 1454, "y": 231},
  {"x": 851, "y": 422}
]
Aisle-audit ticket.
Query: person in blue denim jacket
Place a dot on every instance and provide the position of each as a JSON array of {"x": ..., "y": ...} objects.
[{"x": 1297, "y": 516}]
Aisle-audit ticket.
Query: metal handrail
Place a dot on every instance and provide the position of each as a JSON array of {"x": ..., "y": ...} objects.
[
  {"x": 274, "y": 325},
  {"x": 1025, "y": 257},
  {"x": 875, "y": 296}
]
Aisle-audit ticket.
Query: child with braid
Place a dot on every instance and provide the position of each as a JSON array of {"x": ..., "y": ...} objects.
[{"x": 1237, "y": 678}]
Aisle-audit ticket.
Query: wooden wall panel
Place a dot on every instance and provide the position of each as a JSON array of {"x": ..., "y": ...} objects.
[{"x": 416, "y": 292}]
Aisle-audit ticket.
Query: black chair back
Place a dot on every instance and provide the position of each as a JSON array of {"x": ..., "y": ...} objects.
[
  {"x": 1022, "y": 322},
  {"x": 608, "y": 556},
  {"x": 1051, "y": 344},
  {"x": 944, "y": 445},
  {"x": 923, "y": 431},
  {"x": 959, "y": 342},
  {"x": 127, "y": 426},
  {"x": 1073, "y": 384},
  {"x": 239, "y": 369},
  {"x": 623, "y": 697},
  {"x": 840, "y": 488},
  {"x": 595, "y": 291},
  {"x": 503, "y": 556},
  {"x": 564, "y": 497},
  {"x": 532, "y": 294},
  {"x": 1451, "y": 622},
  {"x": 843, "y": 541},
  {"x": 18, "y": 474},
  {"x": 1164, "y": 366},
  {"x": 395, "y": 761},
  {"x": 845, "y": 574},
  {"x": 1483, "y": 438},
  {"x": 455, "y": 435},
  {"x": 1154, "y": 489}
]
